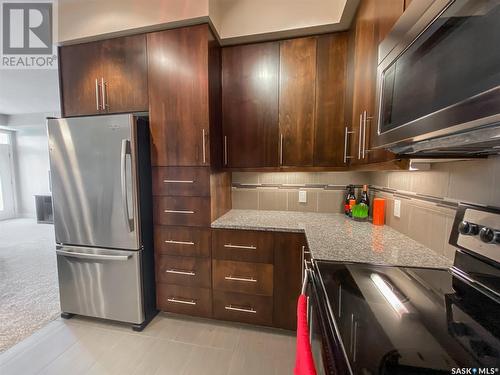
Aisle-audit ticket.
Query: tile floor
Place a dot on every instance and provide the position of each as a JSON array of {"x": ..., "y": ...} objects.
[{"x": 171, "y": 344}]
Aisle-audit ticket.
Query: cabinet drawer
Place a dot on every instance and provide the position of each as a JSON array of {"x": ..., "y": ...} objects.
[
  {"x": 184, "y": 241},
  {"x": 184, "y": 300},
  {"x": 189, "y": 271},
  {"x": 243, "y": 308},
  {"x": 243, "y": 245},
  {"x": 190, "y": 211},
  {"x": 181, "y": 181},
  {"x": 243, "y": 277}
]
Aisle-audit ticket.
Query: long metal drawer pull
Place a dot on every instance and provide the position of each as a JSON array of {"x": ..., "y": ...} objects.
[
  {"x": 178, "y": 212},
  {"x": 364, "y": 133},
  {"x": 241, "y": 309},
  {"x": 92, "y": 256},
  {"x": 180, "y": 242},
  {"x": 178, "y": 181},
  {"x": 360, "y": 135},
  {"x": 98, "y": 104},
  {"x": 203, "y": 146},
  {"x": 251, "y": 247},
  {"x": 225, "y": 150},
  {"x": 245, "y": 279},
  {"x": 180, "y": 272},
  {"x": 185, "y": 302},
  {"x": 281, "y": 149},
  {"x": 346, "y": 135},
  {"x": 105, "y": 104}
]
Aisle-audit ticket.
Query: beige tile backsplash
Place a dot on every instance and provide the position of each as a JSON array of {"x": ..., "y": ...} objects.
[
  {"x": 476, "y": 181},
  {"x": 286, "y": 198}
]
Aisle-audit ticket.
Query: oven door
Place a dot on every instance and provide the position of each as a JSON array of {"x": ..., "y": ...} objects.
[
  {"x": 327, "y": 349},
  {"x": 438, "y": 73}
]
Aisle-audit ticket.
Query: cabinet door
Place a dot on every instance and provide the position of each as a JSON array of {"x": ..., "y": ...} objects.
[
  {"x": 296, "y": 101},
  {"x": 288, "y": 260},
  {"x": 364, "y": 77},
  {"x": 178, "y": 88},
  {"x": 250, "y": 105},
  {"x": 125, "y": 74},
  {"x": 330, "y": 128},
  {"x": 79, "y": 72},
  {"x": 387, "y": 12}
]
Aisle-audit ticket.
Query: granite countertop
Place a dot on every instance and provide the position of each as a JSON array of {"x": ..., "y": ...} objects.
[{"x": 338, "y": 238}]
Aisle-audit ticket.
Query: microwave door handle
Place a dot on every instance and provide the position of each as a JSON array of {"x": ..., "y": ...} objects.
[{"x": 123, "y": 157}]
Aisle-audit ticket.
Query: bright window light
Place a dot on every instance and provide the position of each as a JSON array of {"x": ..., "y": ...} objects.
[{"x": 4, "y": 138}]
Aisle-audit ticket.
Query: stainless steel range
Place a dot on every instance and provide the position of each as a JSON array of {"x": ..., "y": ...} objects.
[
  {"x": 372, "y": 319},
  {"x": 101, "y": 188}
]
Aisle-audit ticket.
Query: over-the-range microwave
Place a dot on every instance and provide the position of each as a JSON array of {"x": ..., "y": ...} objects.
[{"x": 438, "y": 80}]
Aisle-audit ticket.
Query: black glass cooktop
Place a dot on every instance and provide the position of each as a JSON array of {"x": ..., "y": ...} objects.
[{"x": 400, "y": 320}]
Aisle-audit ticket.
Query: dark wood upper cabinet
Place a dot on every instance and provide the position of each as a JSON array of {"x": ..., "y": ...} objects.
[
  {"x": 102, "y": 77},
  {"x": 80, "y": 72},
  {"x": 125, "y": 74},
  {"x": 250, "y": 82},
  {"x": 331, "y": 74},
  {"x": 178, "y": 77},
  {"x": 374, "y": 20},
  {"x": 297, "y": 101},
  {"x": 387, "y": 12},
  {"x": 364, "y": 62}
]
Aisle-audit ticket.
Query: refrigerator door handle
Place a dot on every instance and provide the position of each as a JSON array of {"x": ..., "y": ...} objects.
[
  {"x": 126, "y": 215},
  {"x": 74, "y": 254}
]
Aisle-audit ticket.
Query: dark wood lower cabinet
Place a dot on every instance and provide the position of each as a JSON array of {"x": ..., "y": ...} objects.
[
  {"x": 189, "y": 211},
  {"x": 184, "y": 300},
  {"x": 181, "y": 181},
  {"x": 251, "y": 276},
  {"x": 245, "y": 308},
  {"x": 243, "y": 277},
  {"x": 182, "y": 241},
  {"x": 243, "y": 246},
  {"x": 179, "y": 270},
  {"x": 288, "y": 259}
]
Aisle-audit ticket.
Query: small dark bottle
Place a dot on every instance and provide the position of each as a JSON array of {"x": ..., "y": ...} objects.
[
  {"x": 348, "y": 199},
  {"x": 364, "y": 196}
]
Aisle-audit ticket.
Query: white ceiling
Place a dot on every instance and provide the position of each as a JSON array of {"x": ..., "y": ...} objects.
[{"x": 28, "y": 91}]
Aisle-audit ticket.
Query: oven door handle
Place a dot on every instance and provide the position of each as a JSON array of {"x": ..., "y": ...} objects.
[{"x": 307, "y": 270}]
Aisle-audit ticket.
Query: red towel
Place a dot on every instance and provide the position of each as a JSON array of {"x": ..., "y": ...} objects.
[{"x": 304, "y": 362}]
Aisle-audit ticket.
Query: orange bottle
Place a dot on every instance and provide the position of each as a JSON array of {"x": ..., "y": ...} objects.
[{"x": 378, "y": 211}]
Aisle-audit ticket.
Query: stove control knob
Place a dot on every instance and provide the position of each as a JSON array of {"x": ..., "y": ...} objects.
[
  {"x": 489, "y": 235},
  {"x": 468, "y": 229}
]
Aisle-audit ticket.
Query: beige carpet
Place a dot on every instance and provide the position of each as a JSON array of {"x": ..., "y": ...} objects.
[{"x": 29, "y": 295}]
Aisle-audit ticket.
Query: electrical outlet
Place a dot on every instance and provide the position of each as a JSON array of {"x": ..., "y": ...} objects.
[
  {"x": 302, "y": 196},
  {"x": 397, "y": 208}
]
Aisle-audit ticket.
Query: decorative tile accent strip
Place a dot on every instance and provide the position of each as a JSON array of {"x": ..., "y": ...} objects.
[{"x": 438, "y": 201}]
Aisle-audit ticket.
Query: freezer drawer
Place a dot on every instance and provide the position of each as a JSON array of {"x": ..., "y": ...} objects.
[{"x": 101, "y": 283}]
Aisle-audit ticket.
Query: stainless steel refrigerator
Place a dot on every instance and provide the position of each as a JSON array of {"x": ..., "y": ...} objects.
[{"x": 101, "y": 189}]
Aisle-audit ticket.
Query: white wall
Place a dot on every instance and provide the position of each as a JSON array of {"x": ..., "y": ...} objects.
[
  {"x": 31, "y": 162},
  {"x": 236, "y": 18},
  {"x": 80, "y": 19}
]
